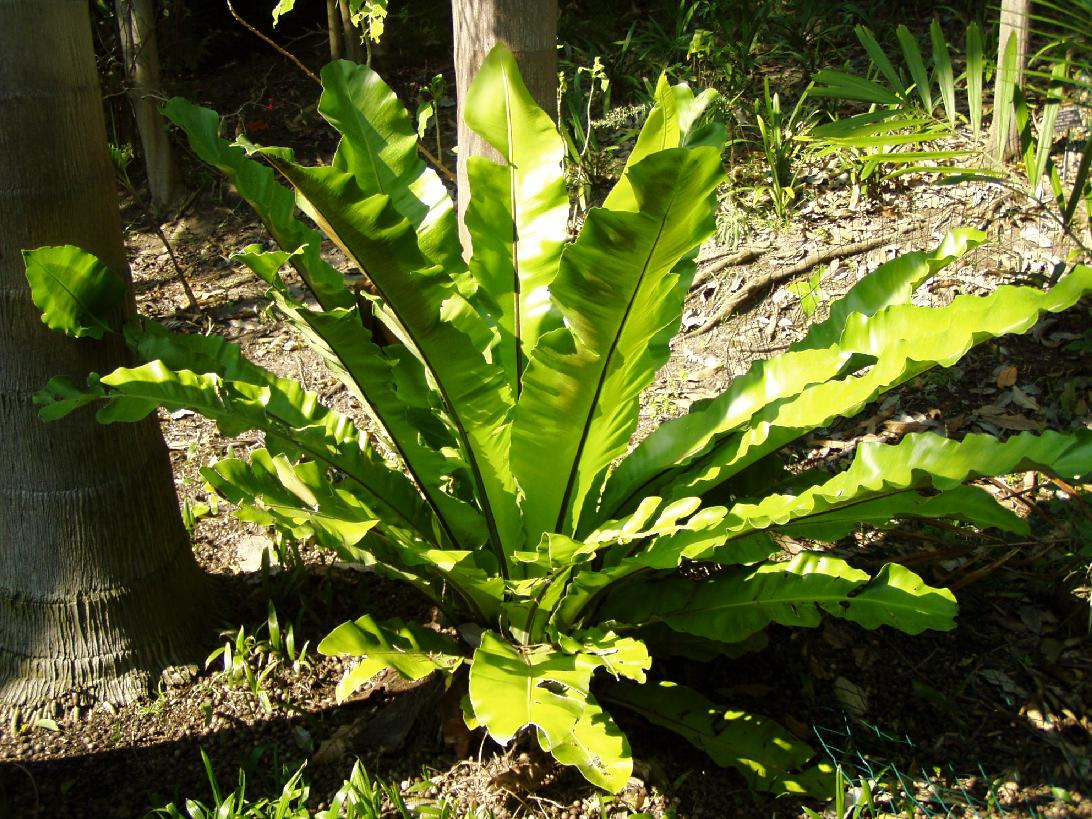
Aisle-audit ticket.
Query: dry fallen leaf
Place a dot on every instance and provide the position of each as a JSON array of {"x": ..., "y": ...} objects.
[
  {"x": 798, "y": 728},
  {"x": 1022, "y": 399},
  {"x": 852, "y": 697},
  {"x": 1008, "y": 420},
  {"x": 901, "y": 427},
  {"x": 1007, "y": 377},
  {"x": 954, "y": 423},
  {"x": 868, "y": 425},
  {"x": 525, "y": 774}
]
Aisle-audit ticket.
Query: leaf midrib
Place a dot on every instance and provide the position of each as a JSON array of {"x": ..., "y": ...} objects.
[
  {"x": 851, "y": 600},
  {"x": 517, "y": 320},
  {"x": 454, "y": 410},
  {"x": 399, "y": 447},
  {"x": 585, "y": 432},
  {"x": 285, "y": 432},
  {"x": 88, "y": 313}
]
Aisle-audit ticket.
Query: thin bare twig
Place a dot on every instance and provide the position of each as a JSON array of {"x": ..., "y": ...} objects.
[
  {"x": 1018, "y": 495},
  {"x": 988, "y": 569},
  {"x": 193, "y": 304},
  {"x": 434, "y": 161},
  {"x": 180, "y": 274},
  {"x": 281, "y": 50},
  {"x": 189, "y": 200},
  {"x": 1073, "y": 493}
]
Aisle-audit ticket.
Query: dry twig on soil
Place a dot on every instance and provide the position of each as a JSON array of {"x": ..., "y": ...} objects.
[
  {"x": 715, "y": 264},
  {"x": 752, "y": 288}
]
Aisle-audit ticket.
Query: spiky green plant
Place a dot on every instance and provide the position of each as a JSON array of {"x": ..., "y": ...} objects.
[{"x": 497, "y": 475}]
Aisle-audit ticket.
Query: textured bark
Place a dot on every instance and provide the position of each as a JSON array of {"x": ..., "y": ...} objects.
[
  {"x": 353, "y": 49},
  {"x": 529, "y": 29},
  {"x": 99, "y": 590},
  {"x": 1015, "y": 20},
  {"x": 136, "y": 24},
  {"x": 333, "y": 29}
]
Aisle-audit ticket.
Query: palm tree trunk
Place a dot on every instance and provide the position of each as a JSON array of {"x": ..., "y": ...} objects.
[
  {"x": 529, "y": 29},
  {"x": 99, "y": 590}
]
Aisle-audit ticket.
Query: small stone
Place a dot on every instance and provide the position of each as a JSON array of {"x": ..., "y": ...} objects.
[
  {"x": 1008, "y": 793},
  {"x": 249, "y": 551}
]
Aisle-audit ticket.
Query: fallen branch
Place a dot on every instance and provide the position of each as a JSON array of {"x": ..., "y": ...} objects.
[
  {"x": 715, "y": 264},
  {"x": 756, "y": 285}
]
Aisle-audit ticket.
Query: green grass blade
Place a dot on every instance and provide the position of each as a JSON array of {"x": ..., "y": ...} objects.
[
  {"x": 620, "y": 291},
  {"x": 881, "y": 61},
  {"x": 975, "y": 70},
  {"x": 1080, "y": 182},
  {"x": 942, "y": 64},
  {"x": 1023, "y": 123},
  {"x": 1044, "y": 134},
  {"x": 912, "y": 54},
  {"x": 830, "y": 83}
]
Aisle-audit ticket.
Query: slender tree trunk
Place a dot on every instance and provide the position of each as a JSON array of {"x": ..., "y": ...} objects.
[
  {"x": 333, "y": 29},
  {"x": 136, "y": 23},
  {"x": 529, "y": 29},
  {"x": 1015, "y": 22},
  {"x": 353, "y": 49},
  {"x": 99, "y": 590}
]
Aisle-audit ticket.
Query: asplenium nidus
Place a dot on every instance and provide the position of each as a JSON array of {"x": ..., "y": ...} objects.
[{"x": 494, "y": 472}]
